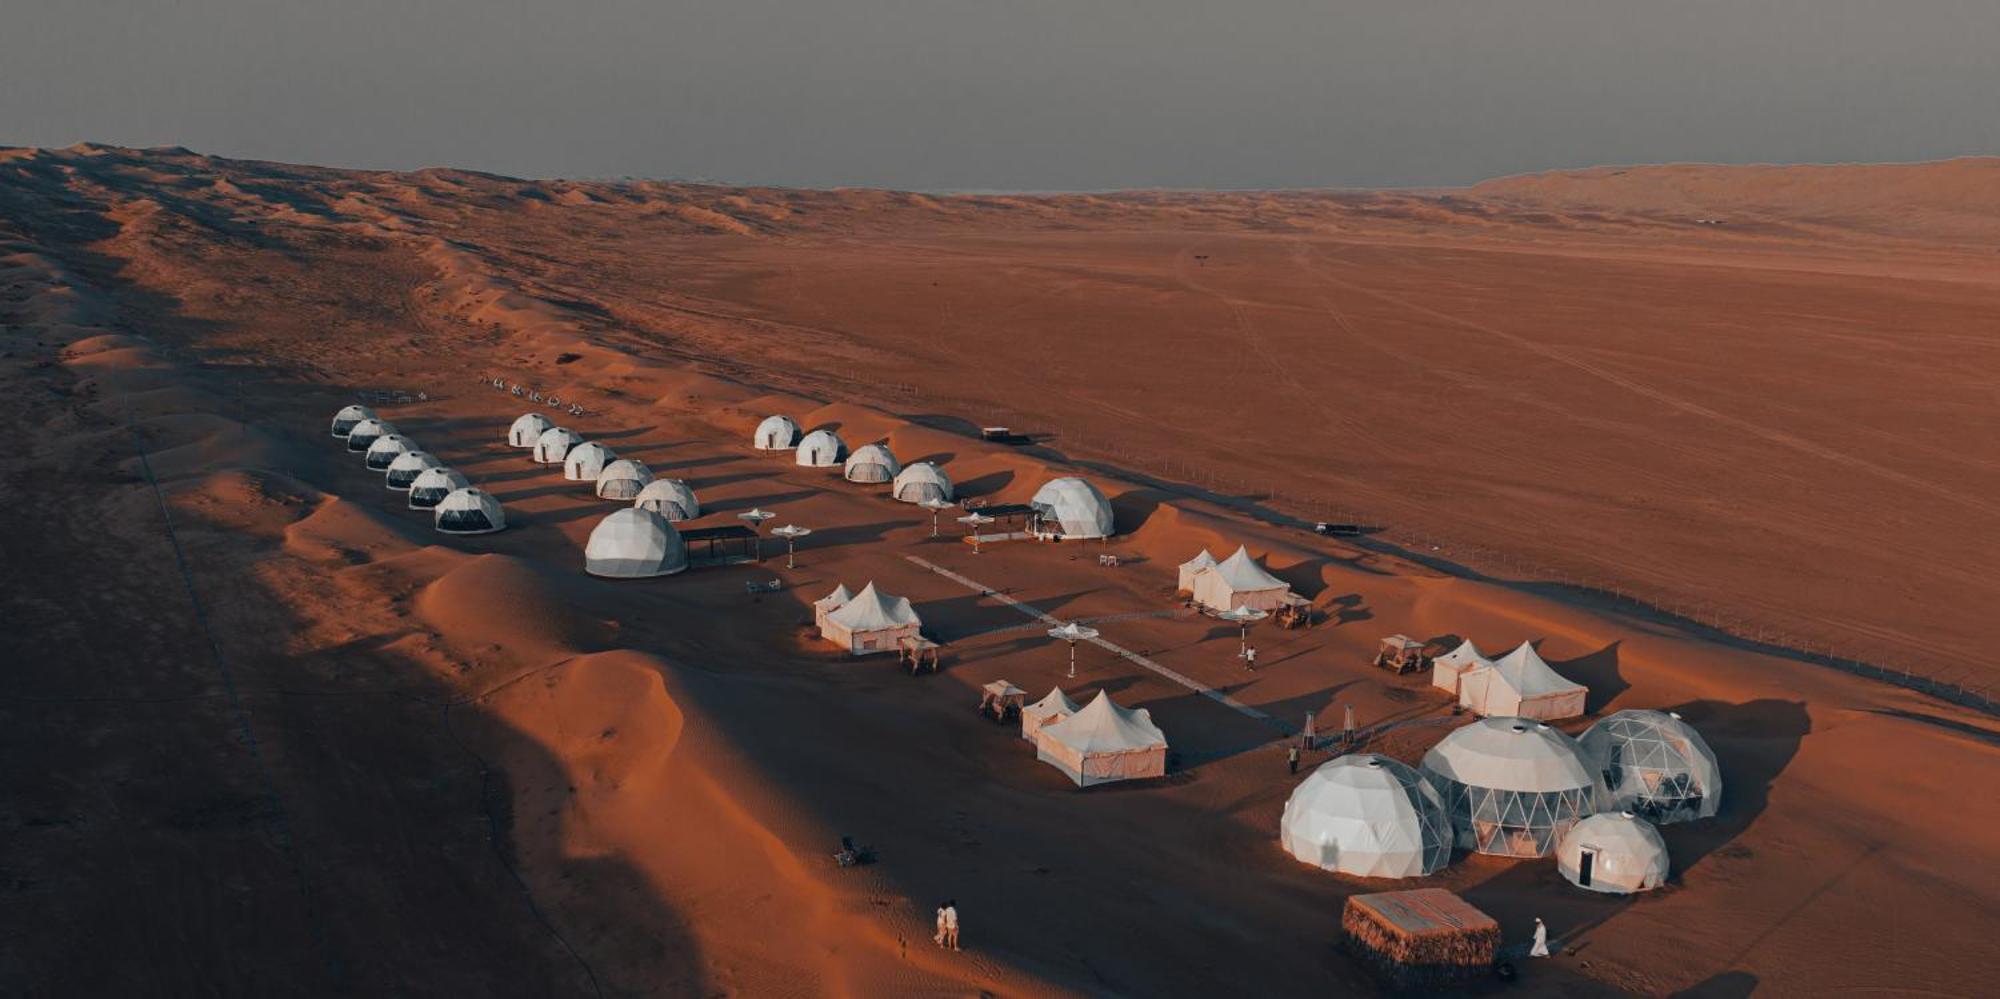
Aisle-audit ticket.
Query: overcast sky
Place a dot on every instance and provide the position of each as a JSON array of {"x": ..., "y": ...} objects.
[{"x": 1010, "y": 94}]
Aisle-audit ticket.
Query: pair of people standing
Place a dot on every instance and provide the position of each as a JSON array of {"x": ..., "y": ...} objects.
[{"x": 947, "y": 925}]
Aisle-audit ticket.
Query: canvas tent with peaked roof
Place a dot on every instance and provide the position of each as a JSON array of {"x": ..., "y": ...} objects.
[
  {"x": 1447, "y": 668},
  {"x": 1238, "y": 581},
  {"x": 1519, "y": 684},
  {"x": 1192, "y": 566},
  {"x": 871, "y": 622},
  {"x": 830, "y": 603},
  {"x": 1103, "y": 743},
  {"x": 1053, "y": 708}
]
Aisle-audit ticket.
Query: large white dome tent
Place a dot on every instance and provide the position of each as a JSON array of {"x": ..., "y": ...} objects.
[
  {"x": 345, "y": 420},
  {"x": 1513, "y": 785},
  {"x": 583, "y": 462},
  {"x": 623, "y": 479},
  {"x": 1073, "y": 508},
  {"x": 381, "y": 454},
  {"x": 554, "y": 443},
  {"x": 821, "y": 449},
  {"x": 776, "y": 433},
  {"x": 1369, "y": 816},
  {"x": 405, "y": 469},
  {"x": 527, "y": 429},
  {"x": 670, "y": 498},
  {"x": 922, "y": 481},
  {"x": 871, "y": 463},
  {"x": 1655, "y": 764},
  {"x": 1617, "y": 853},
  {"x": 470, "y": 510},
  {"x": 634, "y": 543},
  {"x": 363, "y": 435},
  {"x": 432, "y": 485}
]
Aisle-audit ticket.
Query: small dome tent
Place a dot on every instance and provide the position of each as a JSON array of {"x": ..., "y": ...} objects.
[
  {"x": 345, "y": 420},
  {"x": 623, "y": 479},
  {"x": 776, "y": 433},
  {"x": 821, "y": 449},
  {"x": 922, "y": 481},
  {"x": 405, "y": 469},
  {"x": 432, "y": 485},
  {"x": 1655, "y": 764},
  {"x": 1047, "y": 711},
  {"x": 1513, "y": 786},
  {"x": 1447, "y": 668},
  {"x": 634, "y": 544},
  {"x": 670, "y": 498},
  {"x": 871, "y": 463},
  {"x": 363, "y": 435},
  {"x": 1103, "y": 742},
  {"x": 1617, "y": 853},
  {"x": 527, "y": 429},
  {"x": 469, "y": 511},
  {"x": 583, "y": 462},
  {"x": 554, "y": 443},
  {"x": 1192, "y": 566},
  {"x": 383, "y": 452},
  {"x": 1520, "y": 685},
  {"x": 1238, "y": 581},
  {"x": 1072, "y": 508},
  {"x": 1369, "y": 816},
  {"x": 871, "y": 622}
]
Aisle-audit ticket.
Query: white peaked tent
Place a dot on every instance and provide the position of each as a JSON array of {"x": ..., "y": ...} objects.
[
  {"x": 363, "y": 435},
  {"x": 348, "y": 416},
  {"x": 821, "y": 449},
  {"x": 634, "y": 544},
  {"x": 922, "y": 481},
  {"x": 1051, "y": 709},
  {"x": 1192, "y": 566},
  {"x": 1655, "y": 764},
  {"x": 1447, "y": 668},
  {"x": 871, "y": 622},
  {"x": 383, "y": 452},
  {"x": 1513, "y": 786},
  {"x": 1103, "y": 742},
  {"x": 623, "y": 479},
  {"x": 432, "y": 485},
  {"x": 776, "y": 433},
  {"x": 468, "y": 511},
  {"x": 585, "y": 461},
  {"x": 871, "y": 463},
  {"x": 1617, "y": 853},
  {"x": 1238, "y": 581},
  {"x": 407, "y": 466},
  {"x": 1073, "y": 508},
  {"x": 1520, "y": 685},
  {"x": 670, "y": 498},
  {"x": 527, "y": 429},
  {"x": 1369, "y": 816},
  {"x": 554, "y": 443},
  {"x": 830, "y": 603}
]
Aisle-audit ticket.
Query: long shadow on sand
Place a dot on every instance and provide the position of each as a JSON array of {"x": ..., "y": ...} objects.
[
  {"x": 1753, "y": 743},
  {"x": 1599, "y": 672}
]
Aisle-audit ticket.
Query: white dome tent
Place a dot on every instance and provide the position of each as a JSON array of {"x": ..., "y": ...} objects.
[
  {"x": 623, "y": 479},
  {"x": 1617, "y": 853},
  {"x": 1447, "y": 668},
  {"x": 583, "y": 462},
  {"x": 922, "y": 481},
  {"x": 670, "y": 498},
  {"x": 776, "y": 433},
  {"x": 432, "y": 485},
  {"x": 527, "y": 429},
  {"x": 383, "y": 452},
  {"x": 830, "y": 603},
  {"x": 1513, "y": 786},
  {"x": 345, "y": 420},
  {"x": 1192, "y": 566},
  {"x": 1238, "y": 581},
  {"x": 1520, "y": 685},
  {"x": 871, "y": 463},
  {"x": 469, "y": 511},
  {"x": 1655, "y": 764},
  {"x": 821, "y": 449},
  {"x": 634, "y": 544},
  {"x": 1051, "y": 709},
  {"x": 1072, "y": 508},
  {"x": 1369, "y": 816},
  {"x": 554, "y": 443},
  {"x": 405, "y": 469},
  {"x": 871, "y": 622},
  {"x": 363, "y": 435},
  {"x": 1102, "y": 743}
]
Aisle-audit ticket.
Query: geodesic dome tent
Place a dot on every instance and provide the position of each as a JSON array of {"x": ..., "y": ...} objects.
[
  {"x": 821, "y": 449},
  {"x": 634, "y": 543},
  {"x": 1047, "y": 711},
  {"x": 1617, "y": 853},
  {"x": 1073, "y": 508},
  {"x": 922, "y": 481},
  {"x": 1192, "y": 566},
  {"x": 554, "y": 443},
  {"x": 871, "y": 463},
  {"x": 776, "y": 433},
  {"x": 1655, "y": 764},
  {"x": 363, "y": 435},
  {"x": 1103, "y": 742},
  {"x": 583, "y": 462},
  {"x": 1369, "y": 816},
  {"x": 528, "y": 428},
  {"x": 468, "y": 511},
  {"x": 381, "y": 454},
  {"x": 432, "y": 485},
  {"x": 871, "y": 621},
  {"x": 405, "y": 469},
  {"x": 1238, "y": 581},
  {"x": 1513, "y": 786},
  {"x": 348, "y": 416},
  {"x": 623, "y": 479},
  {"x": 1520, "y": 685},
  {"x": 1447, "y": 668},
  {"x": 670, "y": 498}
]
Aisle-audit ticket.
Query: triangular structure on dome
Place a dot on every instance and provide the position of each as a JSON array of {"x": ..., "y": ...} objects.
[{"x": 1103, "y": 742}]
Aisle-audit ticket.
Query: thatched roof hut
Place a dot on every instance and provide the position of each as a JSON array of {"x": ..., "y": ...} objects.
[{"x": 1419, "y": 939}]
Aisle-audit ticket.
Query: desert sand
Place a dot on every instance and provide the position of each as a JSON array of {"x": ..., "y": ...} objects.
[{"x": 267, "y": 733}]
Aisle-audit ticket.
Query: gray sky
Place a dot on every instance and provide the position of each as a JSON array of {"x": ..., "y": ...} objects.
[{"x": 1010, "y": 94}]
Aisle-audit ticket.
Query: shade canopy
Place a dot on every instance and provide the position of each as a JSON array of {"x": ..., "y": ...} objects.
[
  {"x": 470, "y": 510},
  {"x": 634, "y": 544},
  {"x": 1519, "y": 684},
  {"x": 1617, "y": 853},
  {"x": 623, "y": 479},
  {"x": 1447, "y": 668},
  {"x": 821, "y": 449},
  {"x": 528, "y": 428},
  {"x": 871, "y": 621},
  {"x": 1369, "y": 816},
  {"x": 432, "y": 485},
  {"x": 585, "y": 461},
  {"x": 347, "y": 416},
  {"x": 1073, "y": 508},
  {"x": 404, "y": 470},
  {"x": 1052, "y": 708},
  {"x": 554, "y": 444},
  {"x": 775, "y": 433},
  {"x": 1655, "y": 764},
  {"x": 922, "y": 481},
  {"x": 1513, "y": 785},
  {"x": 1196, "y": 564},
  {"x": 670, "y": 498},
  {"x": 1238, "y": 581},
  {"x": 871, "y": 463},
  {"x": 386, "y": 448},
  {"x": 1103, "y": 742}
]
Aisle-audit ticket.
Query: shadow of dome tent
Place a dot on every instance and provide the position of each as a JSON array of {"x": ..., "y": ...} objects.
[
  {"x": 872, "y": 463},
  {"x": 922, "y": 481},
  {"x": 634, "y": 543},
  {"x": 623, "y": 479},
  {"x": 583, "y": 462},
  {"x": 527, "y": 429},
  {"x": 363, "y": 435},
  {"x": 404, "y": 470},
  {"x": 821, "y": 449},
  {"x": 345, "y": 420},
  {"x": 432, "y": 485},
  {"x": 469, "y": 511},
  {"x": 1073, "y": 508},
  {"x": 554, "y": 443},
  {"x": 1616, "y": 853},
  {"x": 673, "y": 499},
  {"x": 1369, "y": 816},
  {"x": 1513, "y": 786},
  {"x": 775, "y": 433},
  {"x": 381, "y": 454},
  {"x": 1655, "y": 764}
]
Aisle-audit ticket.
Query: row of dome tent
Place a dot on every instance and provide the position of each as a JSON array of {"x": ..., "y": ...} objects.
[
  {"x": 638, "y": 542},
  {"x": 456, "y": 506},
  {"x": 1513, "y": 787}
]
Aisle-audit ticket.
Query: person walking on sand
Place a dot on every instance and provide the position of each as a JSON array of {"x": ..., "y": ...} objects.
[
  {"x": 1250, "y": 659},
  {"x": 951, "y": 924},
  {"x": 1541, "y": 947},
  {"x": 938, "y": 937},
  {"x": 1292, "y": 759}
]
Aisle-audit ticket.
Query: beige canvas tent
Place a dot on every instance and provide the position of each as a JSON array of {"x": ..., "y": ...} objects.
[
  {"x": 871, "y": 622},
  {"x": 1192, "y": 566},
  {"x": 1047, "y": 711},
  {"x": 1103, "y": 743},
  {"x": 1447, "y": 668},
  {"x": 1520, "y": 684},
  {"x": 1238, "y": 581},
  {"x": 830, "y": 603}
]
